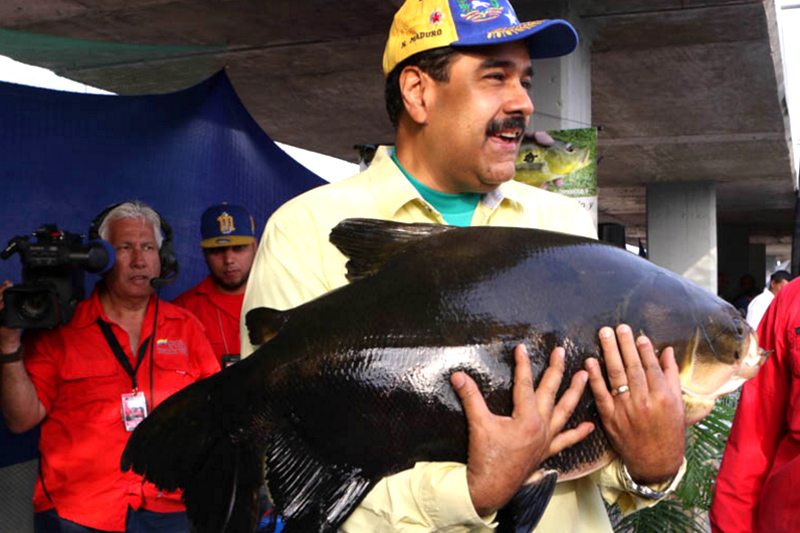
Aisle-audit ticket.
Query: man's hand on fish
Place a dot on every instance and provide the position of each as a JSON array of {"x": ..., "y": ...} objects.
[
  {"x": 504, "y": 451},
  {"x": 643, "y": 412}
]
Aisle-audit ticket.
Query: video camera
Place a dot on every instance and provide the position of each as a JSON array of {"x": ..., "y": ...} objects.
[{"x": 53, "y": 275}]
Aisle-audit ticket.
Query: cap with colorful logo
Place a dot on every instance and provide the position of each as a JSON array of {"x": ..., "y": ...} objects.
[
  {"x": 226, "y": 225},
  {"x": 422, "y": 25}
]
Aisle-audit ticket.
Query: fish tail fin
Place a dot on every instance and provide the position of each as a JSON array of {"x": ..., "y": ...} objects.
[
  {"x": 523, "y": 512},
  {"x": 225, "y": 496},
  {"x": 194, "y": 441},
  {"x": 311, "y": 494}
]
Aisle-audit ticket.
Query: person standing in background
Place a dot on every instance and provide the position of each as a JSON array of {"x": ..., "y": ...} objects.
[
  {"x": 229, "y": 246},
  {"x": 759, "y": 305},
  {"x": 92, "y": 381}
]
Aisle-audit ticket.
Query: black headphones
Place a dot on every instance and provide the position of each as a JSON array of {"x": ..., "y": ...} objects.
[{"x": 166, "y": 254}]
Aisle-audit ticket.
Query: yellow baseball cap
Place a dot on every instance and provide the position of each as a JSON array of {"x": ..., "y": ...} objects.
[{"x": 422, "y": 25}]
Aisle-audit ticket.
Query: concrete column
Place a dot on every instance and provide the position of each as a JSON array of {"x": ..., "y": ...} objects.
[
  {"x": 562, "y": 93},
  {"x": 562, "y": 87},
  {"x": 682, "y": 230}
]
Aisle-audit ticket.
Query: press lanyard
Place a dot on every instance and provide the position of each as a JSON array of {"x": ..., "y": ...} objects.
[
  {"x": 222, "y": 332},
  {"x": 119, "y": 353}
]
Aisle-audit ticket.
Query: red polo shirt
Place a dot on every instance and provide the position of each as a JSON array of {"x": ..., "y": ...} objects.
[
  {"x": 80, "y": 383},
  {"x": 218, "y": 312}
]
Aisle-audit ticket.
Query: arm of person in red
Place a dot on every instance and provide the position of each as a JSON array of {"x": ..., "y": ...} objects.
[{"x": 758, "y": 427}]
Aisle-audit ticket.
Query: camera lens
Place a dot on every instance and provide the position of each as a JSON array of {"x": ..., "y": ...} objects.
[{"x": 35, "y": 306}]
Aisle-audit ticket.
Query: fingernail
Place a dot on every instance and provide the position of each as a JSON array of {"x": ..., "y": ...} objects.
[
  {"x": 590, "y": 363},
  {"x": 585, "y": 377},
  {"x": 642, "y": 340},
  {"x": 624, "y": 328},
  {"x": 606, "y": 332},
  {"x": 458, "y": 380},
  {"x": 524, "y": 349}
]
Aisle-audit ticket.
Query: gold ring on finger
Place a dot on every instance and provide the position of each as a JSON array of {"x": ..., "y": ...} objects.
[{"x": 620, "y": 390}]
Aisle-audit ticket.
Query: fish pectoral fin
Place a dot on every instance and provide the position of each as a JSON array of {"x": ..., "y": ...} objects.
[
  {"x": 309, "y": 493},
  {"x": 263, "y": 324},
  {"x": 370, "y": 243},
  {"x": 523, "y": 512}
]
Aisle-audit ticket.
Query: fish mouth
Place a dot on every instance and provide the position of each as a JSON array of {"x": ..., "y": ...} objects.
[{"x": 698, "y": 402}]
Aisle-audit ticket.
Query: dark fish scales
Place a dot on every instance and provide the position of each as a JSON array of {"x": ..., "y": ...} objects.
[{"x": 354, "y": 386}]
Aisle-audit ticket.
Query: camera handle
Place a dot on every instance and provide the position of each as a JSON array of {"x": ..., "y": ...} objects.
[{"x": 14, "y": 246}]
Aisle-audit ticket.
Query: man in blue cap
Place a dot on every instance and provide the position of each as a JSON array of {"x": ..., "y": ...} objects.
[
  {"x": 458, "y": 77},
  {"x": 229, "y": 245}
]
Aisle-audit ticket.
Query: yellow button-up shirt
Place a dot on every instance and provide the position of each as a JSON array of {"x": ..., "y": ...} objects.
[{"x": 295, "y": 263}]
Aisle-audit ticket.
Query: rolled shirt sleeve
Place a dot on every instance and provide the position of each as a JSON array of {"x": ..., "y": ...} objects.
[{"x": 612, "y": 487}]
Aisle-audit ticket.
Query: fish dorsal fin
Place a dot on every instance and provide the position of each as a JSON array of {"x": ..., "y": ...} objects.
[
  {"x": 371, "y": 243},
  {"x": 263, "y": 324},
  {"x": 308, "y": 493}
]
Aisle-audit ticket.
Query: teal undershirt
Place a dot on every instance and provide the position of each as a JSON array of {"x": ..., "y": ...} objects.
[{"x": 456, "y": 209}]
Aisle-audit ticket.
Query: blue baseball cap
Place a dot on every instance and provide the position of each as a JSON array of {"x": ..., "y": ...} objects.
[
  {"x": 422, "y": 25},
  {"x": 226, "y": 225}
]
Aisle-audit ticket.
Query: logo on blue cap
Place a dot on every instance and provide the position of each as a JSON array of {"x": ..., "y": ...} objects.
[{"x": 482, "y": 11}]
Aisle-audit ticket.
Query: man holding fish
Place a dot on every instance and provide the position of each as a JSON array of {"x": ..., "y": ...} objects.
[{"x": 458, "y": 80}]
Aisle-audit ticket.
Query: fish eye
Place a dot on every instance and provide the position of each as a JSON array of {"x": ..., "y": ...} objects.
[
  {"x": 569, "y": 147},
  {"x": 739, "y": 326},
  {"x": 736, "y": 355}
]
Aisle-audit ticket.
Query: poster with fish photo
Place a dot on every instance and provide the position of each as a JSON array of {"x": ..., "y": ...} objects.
[{"x": 568, "y": 166}]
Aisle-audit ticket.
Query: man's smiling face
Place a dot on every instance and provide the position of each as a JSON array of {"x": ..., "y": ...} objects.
[{"x": 477, "y": 118}]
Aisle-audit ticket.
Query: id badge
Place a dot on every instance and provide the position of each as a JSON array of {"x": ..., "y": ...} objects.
[{"x": 134, "y": 409}]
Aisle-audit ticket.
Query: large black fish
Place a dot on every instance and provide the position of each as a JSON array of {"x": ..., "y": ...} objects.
[{"x": 354, "y": 386}]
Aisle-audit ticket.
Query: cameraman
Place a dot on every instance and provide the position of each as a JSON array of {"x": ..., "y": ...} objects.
[{"x": 91, "y": 381}]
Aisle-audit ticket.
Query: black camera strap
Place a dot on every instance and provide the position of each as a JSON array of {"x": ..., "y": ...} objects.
[{"x": 119, "y": 353}]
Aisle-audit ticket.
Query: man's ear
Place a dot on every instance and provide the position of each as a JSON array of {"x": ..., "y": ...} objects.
[{"x": 416, "y": 88}]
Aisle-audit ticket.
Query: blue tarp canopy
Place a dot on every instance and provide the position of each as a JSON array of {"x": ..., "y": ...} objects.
[{"x": 64, "y": 157}]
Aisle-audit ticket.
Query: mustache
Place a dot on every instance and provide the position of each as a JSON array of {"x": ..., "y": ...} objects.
[{"x": 496, "y": 126}]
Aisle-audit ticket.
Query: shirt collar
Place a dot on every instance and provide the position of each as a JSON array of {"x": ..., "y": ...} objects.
[
  {"x": 88, "y": 311},
  {"x": 508, "y": 191},
  {"x": 392, "y": 190},
  {"x": 207, "y": 286}
]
